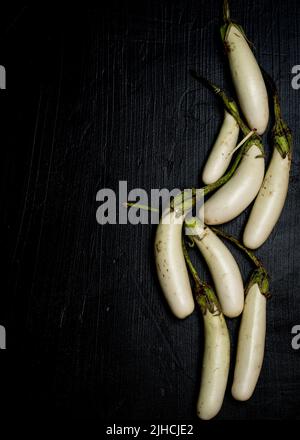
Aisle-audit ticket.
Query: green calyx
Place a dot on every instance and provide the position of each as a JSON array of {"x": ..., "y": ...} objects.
[
  {"x": 228, "y": 23},
  {"x": 204, "y": 293},
  {"x": 281, "y": 133},
  {"x": 255, "y": 140},
  {"x": 261, "y": 278},
  {"x": 282, "y": 138},
  {"x": 224, "y": 31},
  {"x": 226, "y": 18},
  {"x": 207, "y": 299},
  {"x": 191, "y": 223}
]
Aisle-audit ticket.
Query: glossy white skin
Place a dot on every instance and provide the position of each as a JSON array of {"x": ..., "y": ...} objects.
[
  {"x": 251, "y": 345},
  {"x": 236, "y": 195},
  {"x": 224, "y": 270},
  {"x": 269, "y": 202},
  {"x": 248, "y": 80},
  {"x": 220, "y": 155},
  {"x": 215, "y": 366},
  {"x": 170, "y": 264}
]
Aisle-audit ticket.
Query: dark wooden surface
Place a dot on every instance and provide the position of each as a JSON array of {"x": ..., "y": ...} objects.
[{"x": 95, "y": 96}]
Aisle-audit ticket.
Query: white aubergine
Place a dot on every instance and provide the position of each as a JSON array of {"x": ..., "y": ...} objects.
[
  {"x": 224, "y": 271},
  {"x": 269, "y": 202},
  {"x": 251, "y": 345},
  {"x": 220, "y": 155},
  {"x": 170, "y": 264},
  {"x": 248, "y": 80},
  {"x": 215, "y": 365},
  {"x": 236, "y": 195}
]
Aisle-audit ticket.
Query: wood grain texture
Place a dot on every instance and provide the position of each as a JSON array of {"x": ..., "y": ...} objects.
[{"x": 94, "y": 97}]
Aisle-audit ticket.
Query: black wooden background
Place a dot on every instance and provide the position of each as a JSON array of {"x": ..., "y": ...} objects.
[{"x": 99, "y": 95}]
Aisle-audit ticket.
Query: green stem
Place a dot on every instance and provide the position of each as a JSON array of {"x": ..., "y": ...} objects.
[
  {"x": 224, "y": 29},
  {"x": 261, "y": 278},
  {"x": 139, "y": 206},
  {"x": 224, "y": 179},
  {"x": 277, "y": 109},
  {"x": 226, "y": 12},
  {"x": 238, "y": 244},
  {"x": 260, "y": 275},
  {"x": 227, "y": 20},
  {"x": 282, "y": 138},
  {"x": 203, "y": 292},
  {"x": 184, "y": 202},
  {"x": 228, "y": 102},
  {"x": 190, "y": 265}
]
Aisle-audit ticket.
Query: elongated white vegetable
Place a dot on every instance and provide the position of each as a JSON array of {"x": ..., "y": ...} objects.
[
  {"x": 237, "y": 194},
  {"x": 247, "y": 78},
  {"x": 251, "y": 345},
  {"x": 224, "y": 270},
  {"x": 215, "y": 366},
  {"x": 171, "y": 267},
  {"x": 220, "y": 155},
  {"x": 272, "y": 195},
  {"x": 269, "y": 202}
]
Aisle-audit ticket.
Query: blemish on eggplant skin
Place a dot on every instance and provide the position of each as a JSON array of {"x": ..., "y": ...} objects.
[{"x": 227, "y": 47}]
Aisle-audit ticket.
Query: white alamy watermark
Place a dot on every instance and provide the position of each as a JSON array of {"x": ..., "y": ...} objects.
[
  {"x": 296, "y": 77},
  {"x": 2, "y": 338},
  {"x": 138, "y": 206},
  {"x": 296, "y": 339},
  {"x": 2, "y": 77}
]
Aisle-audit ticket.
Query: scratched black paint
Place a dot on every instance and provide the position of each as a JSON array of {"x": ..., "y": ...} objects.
[{"x": 95, "y": 96}]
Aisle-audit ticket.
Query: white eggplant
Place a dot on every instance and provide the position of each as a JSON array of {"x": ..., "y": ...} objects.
[
  {"x": 224, "y": 271},
  {"x": 171, "y": 267},
  {"x": 269, "y": 202},
  {"x": 247, "y": 78},
  {"x": 220, "y": 155},
  {"x": 215, "y": 365},
  {"x": 251, "y": 345},
  {"x": 236, "y": 195}
]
